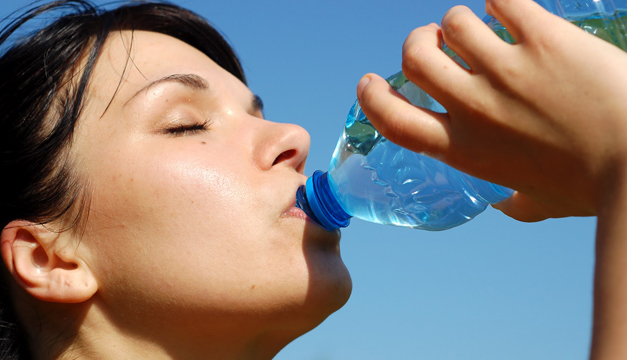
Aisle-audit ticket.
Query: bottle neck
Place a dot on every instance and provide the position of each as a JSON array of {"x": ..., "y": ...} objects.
[{"x": 318, "y": 201}]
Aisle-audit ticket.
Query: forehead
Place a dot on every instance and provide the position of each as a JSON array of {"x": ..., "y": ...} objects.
[
  {"x": 144, "y": 50},
  {"x": 131, "y": 59}
]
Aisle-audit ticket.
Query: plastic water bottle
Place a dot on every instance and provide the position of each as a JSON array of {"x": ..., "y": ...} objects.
[{"x": 376, "y": 180}]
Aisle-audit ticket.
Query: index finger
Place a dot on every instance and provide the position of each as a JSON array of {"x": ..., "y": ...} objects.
[{"x": 426, "y": 65}]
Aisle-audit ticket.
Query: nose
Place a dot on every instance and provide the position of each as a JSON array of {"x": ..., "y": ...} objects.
[{"x": 279, "y": 144}]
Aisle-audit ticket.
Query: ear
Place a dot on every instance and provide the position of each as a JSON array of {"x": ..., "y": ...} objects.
[{"x": 46, "y": 263}]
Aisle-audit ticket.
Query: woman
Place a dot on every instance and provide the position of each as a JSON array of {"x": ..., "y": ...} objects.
[{"x": 149, "y": 211}]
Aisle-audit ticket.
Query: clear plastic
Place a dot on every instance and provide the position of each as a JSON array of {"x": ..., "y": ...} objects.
[
  {"x": 373, "y": 179},
  {"x": 376, "y": 180}
]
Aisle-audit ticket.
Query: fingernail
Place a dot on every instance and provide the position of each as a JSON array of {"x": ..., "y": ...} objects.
[{"x": 362, "y": 84}]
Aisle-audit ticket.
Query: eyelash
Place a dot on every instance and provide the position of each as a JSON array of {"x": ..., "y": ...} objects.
[{"x": 187, "y": 129}]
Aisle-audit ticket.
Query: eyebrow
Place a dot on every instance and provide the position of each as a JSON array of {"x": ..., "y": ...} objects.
[{"x": 191, "y": 81}]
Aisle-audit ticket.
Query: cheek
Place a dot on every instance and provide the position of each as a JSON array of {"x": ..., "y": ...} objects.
[
  {"x": 164, "y": 215},
  {"x": 172, "y": 194}
]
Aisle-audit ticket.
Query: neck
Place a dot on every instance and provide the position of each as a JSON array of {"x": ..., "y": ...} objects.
[{"x": 91, "y": 334}]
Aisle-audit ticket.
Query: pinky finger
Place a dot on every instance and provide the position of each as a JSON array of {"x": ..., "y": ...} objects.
[{"x": 524, "y": 208}]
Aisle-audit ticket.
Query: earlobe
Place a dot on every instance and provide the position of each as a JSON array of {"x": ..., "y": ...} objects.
[{"x": 47, "y": 264}]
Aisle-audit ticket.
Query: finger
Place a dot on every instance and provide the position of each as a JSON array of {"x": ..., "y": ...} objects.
[
  {"x": 524, "y": 208},
  {"x": 521, "y": 18},
  {"x": 470, "y": 38},
  {"x": 426, "y": 65},
  {"x": 417, "y": 129}
]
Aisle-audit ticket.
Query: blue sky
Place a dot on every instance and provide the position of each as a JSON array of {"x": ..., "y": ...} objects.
[{"x": 491, "y": 289}]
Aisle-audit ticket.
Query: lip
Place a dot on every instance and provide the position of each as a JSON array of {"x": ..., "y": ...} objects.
[
  {"x": 296, "y": 212},
  {"x": 292, "y": 210},
  {"x": 329, "y": 241}
]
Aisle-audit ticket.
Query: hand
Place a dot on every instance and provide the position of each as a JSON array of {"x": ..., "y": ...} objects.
[{"x": 546, "y": 116}]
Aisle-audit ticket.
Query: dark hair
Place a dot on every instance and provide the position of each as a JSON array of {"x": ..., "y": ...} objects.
[{"x": 44, "y": 79}]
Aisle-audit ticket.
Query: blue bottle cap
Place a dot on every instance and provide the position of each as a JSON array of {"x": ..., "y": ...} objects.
[{"x": 326, "y": 210}]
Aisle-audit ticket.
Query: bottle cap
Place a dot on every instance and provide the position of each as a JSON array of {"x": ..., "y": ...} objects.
[{"x": 326, "y": 210}]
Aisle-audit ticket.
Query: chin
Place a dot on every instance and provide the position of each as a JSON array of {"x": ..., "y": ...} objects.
[
  {"x": 320, "y": 305},
  {"x": 330, "y": 284}
]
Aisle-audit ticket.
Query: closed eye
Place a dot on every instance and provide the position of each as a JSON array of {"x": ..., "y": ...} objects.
[{"x": 187, "y": 129}]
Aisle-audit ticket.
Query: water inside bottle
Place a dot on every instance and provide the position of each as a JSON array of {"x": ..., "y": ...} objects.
[
  {"x": 611, "y": 28},
  {"x": 401, "y": 187}
]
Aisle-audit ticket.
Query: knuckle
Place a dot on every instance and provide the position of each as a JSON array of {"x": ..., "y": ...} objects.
[
  {"x": 412, "y": 40},
  {"x": 455, "y": 20},
  {"x": 400, "y": 128},
  {"x": 393, "y": 128},
  {"x": 418, "y": 45},
  {"x": 498, "y": 5},
  {"x": 413, "y": 58}
]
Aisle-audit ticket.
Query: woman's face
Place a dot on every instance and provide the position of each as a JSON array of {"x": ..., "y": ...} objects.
[{"x": 192, "y": 217}]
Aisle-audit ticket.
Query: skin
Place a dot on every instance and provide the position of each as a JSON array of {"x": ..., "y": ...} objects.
[
  {"x": 543, "y": 119},
  {"x": 193, "y": 248}
]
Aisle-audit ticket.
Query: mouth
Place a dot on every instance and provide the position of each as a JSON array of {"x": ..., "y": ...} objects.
[
  {"x": 299, "y": 209},
  {"x": 296, "y": 212},
  {"x": 293, "y": 210},
  {"x": 319, "y": 237}
]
